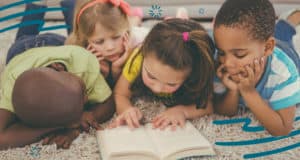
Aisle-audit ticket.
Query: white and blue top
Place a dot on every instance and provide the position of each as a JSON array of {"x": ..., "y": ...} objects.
[{"x": 279, "y": 85}]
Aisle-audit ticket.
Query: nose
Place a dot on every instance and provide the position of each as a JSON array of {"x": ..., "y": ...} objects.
[
  {"x": 109, "y": 46},
  {"x": 228, "y": 62},
  {"x": 157, "y": 88}
]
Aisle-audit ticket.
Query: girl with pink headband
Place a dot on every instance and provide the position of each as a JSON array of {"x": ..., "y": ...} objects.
[
  {"x": 174, "y": 66},
  {"x": 103, "y": 28}
]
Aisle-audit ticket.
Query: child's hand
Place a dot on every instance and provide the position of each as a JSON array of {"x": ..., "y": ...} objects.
[
  {"x": 248, "y": 83},
  {"x": 103, "y": 64},
  {"x": 224, "y": 77},
  {"x": 121, "y": 61},
  {"x": 88, "y": 120},
  {"x": 63, "y": 138},
  {"x": 131, "y": 117},
  {"x": 173, "y": 117}
]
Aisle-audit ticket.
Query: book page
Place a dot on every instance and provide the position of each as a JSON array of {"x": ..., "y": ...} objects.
[
  {"x": 123, "y": 142},
  {"x": 188, "y": 140}
]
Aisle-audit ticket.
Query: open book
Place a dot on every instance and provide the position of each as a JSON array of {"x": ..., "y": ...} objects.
[{"x": 145, "y": 143}]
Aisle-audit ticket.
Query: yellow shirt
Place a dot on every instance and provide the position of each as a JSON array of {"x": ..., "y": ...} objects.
[
  {"x": 133, "y": 66},
  {"x": 77, "y": 61}
]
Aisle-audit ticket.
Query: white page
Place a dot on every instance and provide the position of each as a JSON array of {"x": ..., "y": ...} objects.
[
  {"x": 123, "y": 140},
  {"x": 168, "y": 141}
]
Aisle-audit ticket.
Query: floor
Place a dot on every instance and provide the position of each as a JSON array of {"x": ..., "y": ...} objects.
[{"x": 85, "y": 147}]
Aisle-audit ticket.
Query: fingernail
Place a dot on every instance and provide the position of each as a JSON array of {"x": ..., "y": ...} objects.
[
  {"x": 256, "y": 61},
  {"x": 262, "y": 59}
]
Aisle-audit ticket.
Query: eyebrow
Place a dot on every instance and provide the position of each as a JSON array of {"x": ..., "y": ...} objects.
[{"x": 175, "y": 83}]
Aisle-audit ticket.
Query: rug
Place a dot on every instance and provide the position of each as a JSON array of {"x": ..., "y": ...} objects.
[{"x": 85, "y": 146}]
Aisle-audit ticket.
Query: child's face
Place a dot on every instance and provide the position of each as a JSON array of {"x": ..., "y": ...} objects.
[
  {"x": 161, "y": 78},
  {"x": 108, "y": 43},
  {"x": 236, "y": 49}
]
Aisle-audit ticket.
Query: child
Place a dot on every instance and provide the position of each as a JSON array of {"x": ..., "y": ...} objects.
[
  {"x": 45, "y": 89},
  {"x": 175, "y": 65},
  {"x": 254, "y": 71},
  {"x": 102, "y": 26}
]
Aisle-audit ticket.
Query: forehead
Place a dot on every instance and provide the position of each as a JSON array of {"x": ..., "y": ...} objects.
[
  {"x": 162, "y": 72},
  {"x": 103, "y": 32},
  {"x": 231, "y": 37}
]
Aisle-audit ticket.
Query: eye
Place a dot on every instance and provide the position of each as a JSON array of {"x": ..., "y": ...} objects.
[
  {"x": 150, "y": 76},
  {"x": 99, "y": 42},
  {"x": 116, "y": 37},
  {"x": 240, "y": 55}
]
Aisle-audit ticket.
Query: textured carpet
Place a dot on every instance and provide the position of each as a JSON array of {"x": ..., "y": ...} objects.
[{"x": 85, "y": 146}]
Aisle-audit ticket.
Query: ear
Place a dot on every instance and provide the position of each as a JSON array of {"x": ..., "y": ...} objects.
[{"x": 269, "y": 46}]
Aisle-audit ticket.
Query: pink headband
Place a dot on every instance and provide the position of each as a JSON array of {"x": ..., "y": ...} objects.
[
  {"x": 185, "y": 36},
  {"x": 118, "y": 3}
]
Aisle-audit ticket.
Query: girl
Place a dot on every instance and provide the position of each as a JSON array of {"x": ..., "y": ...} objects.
[
  {"x": 174, "y": 65},
  {"x": 102, "y": 26}
]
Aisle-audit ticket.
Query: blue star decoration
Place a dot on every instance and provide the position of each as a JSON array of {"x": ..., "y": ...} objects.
[
  {"x": 35, "y": 151},
  {"x": 201, "y": 11},
  {"x": 155, "y": 11}
]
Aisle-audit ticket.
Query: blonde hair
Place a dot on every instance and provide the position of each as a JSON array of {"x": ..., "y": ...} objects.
[{"x": 106, "y": 14}]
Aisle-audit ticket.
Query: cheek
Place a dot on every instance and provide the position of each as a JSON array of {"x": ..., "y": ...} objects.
[
  {"x": 147, "y": 81},
  {"x": 98, "y": 48}
]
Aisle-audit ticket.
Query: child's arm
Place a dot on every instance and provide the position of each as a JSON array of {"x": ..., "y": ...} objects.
[
  {"x": 98, "y": 113},
  {"x": 178, "y": 114},
  {"x": 127, "y": 113},
  {"x": 226, "y": 104},
  {"x": 278, "y": 123},
  {"x": 15, "y": 134}
]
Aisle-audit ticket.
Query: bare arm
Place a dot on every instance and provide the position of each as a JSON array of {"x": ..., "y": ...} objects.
[
  {"x": 15, "y": 134},
  {"x": 192, "y": 112},
  {"x": 104, "y": 111},
  {"x": 278, "y": 123},
  {"x": 122, "y": 95},
  {"x": 227, "y": 104}
]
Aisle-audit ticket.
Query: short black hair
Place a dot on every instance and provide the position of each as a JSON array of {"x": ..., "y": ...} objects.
[{"x": 257, "y": 16}]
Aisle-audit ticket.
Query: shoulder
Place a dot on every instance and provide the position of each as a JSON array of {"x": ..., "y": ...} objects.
[{"x": 133, "y": 65}]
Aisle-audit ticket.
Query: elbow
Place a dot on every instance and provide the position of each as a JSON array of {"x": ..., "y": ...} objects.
[{"x": 281, "y": 132}]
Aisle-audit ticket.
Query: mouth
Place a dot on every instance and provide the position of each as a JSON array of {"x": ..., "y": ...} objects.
[{"x": 113, "y": 57}]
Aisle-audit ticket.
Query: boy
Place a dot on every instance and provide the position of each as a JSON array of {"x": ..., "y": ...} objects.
[
  {"x": 52, "y": 89},
  {"x": 253, "y": 70}
]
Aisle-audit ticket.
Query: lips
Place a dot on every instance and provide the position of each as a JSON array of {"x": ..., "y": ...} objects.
[{"x": 113, "y": 57}]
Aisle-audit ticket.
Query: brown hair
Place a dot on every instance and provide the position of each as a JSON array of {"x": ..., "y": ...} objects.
[
  {"x": 106, "y": 14},
  {"x": 166, "y": 41}
]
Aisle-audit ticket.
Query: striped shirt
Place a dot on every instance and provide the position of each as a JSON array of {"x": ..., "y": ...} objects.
[{"x": 279, "y": 85}]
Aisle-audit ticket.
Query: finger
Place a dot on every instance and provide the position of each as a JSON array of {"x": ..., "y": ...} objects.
[
  {"x": 129, "y": 121},
  {"x": 85, "y": 126},
  {"x": 250, "y": 72},
  {"x": 66, "y": 145},
  {"x": 50, "y": 139},
  {"x": 164, "y": 124},
  {"x": 134, "y": 118},
  {"x": 96, "y": 125},
  {"x": 220, "y": 71},
  {"x": 174, "y": 124},
  {"x": 256, "y": 66},
  {"x": 181, "y": 123},
  {"x": 158, "y": 122},
  {"x": 60, "y": 141}
]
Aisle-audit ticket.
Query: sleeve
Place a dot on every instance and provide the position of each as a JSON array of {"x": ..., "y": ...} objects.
[
  {"x": 6, "y": 93},
  {"x": 100, "y": 90},
  {"x": 133, "y": 66},
  {"x": 285, "y": 83},
  {"x": 286, "y": 94}
]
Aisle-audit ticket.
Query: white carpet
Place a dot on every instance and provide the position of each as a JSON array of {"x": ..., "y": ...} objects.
[{"x": 85, "y": 147}]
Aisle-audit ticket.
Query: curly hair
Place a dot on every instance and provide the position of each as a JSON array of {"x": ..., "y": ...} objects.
[{"x": 257, "y": 16}]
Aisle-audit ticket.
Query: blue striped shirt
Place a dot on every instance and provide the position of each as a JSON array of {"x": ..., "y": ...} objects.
[{"x": 280, "y": 83}]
